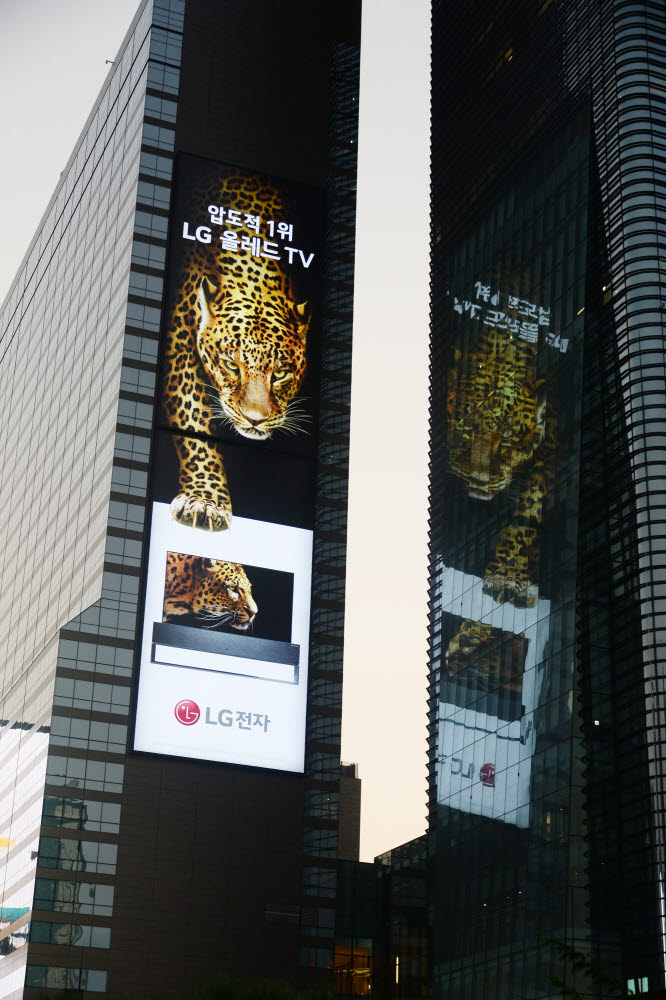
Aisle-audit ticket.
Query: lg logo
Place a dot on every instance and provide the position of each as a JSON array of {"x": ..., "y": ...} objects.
[
  {"x": 187, "y": 712},
  {"x": 487, "y": 775}
]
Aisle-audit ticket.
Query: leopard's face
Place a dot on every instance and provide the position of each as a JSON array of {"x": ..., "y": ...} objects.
[
  {"x": 225, "y": 594},
  {"x": 496, "y": 420},
  {"x": 218, "y": 593},
  {"x": 473, "y": 637},
  {"x": 253, "y": 351}
]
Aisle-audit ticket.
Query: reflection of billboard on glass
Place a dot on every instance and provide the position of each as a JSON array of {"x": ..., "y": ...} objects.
[
  {"x": 493, "y": 679},
  {"x": 223, "y": 672},
  {"x": 502, "y": 439}
]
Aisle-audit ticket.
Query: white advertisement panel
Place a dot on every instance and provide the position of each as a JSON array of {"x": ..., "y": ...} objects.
[{"x": 216, "y": 696}]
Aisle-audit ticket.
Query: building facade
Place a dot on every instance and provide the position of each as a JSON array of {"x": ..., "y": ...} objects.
[
  {"x": 382, "y": 933},
  {"x": 547, "y": 497},
  {"x": 130, "y": 864}
]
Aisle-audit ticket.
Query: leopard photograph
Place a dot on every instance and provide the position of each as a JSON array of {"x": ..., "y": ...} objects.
[
  {"x": 498, "y": 657},
  {"x": 213, "y": 593},
  {"x": 501, "y": 434},
  {"x": 237, "y": 334}
]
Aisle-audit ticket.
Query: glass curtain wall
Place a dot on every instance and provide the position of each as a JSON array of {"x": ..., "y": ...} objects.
[{"x": 546, "y": 497}]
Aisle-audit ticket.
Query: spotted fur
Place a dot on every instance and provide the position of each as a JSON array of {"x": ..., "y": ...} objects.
[
  {"x": 236, "y": 349},
  {"x": 215, "y": 591},
  {"x": 496, "y": 656},
  {"x": 500, "y": 435}
]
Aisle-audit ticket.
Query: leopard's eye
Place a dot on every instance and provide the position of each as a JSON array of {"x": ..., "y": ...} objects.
[
  {"x": 233, "y": 594},
  {"x": 281, "y": 375},
  {"x": 230, "y": 365}
]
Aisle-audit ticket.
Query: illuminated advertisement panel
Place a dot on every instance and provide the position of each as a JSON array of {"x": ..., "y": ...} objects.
[
  {"x": 224, "y": 651},
  {"x": 504, "y": 430}
]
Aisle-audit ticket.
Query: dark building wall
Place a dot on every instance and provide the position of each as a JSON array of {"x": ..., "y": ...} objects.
[
  {"x": 261, "y": 97},
  {"x": 349, "y": 828}
]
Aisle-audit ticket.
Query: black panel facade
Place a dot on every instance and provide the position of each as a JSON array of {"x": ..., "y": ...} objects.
[{"x": 547, "y": 664}]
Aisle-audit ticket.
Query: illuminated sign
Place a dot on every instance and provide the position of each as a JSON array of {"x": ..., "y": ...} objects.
[{"x": 224, "y": 652}]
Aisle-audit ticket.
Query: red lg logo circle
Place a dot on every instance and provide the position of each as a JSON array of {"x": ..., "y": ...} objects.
[
  {"x": 487, "y": 775},
  {"x": 187, "y": 712}
]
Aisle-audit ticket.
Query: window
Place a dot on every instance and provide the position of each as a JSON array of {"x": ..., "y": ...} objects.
[
  {"x": 148, "y": 224},
  {"x": 147, "y": 255},
  {"x": 317, "y": 958},
  {"x": 132, "y": 447},
  {"x": 78, "y": 772},
  {"x": 157, "y": 135},
  {"x": 158, "y": 107},
  {"x": 70, "y": 934},
  {"x": 318, "y": 922},
  {"x": 165, "y": 46},
  {"x": 318, "y": 882},
  {"x": 137, "y": 381},
  {"x": 77, "y": 855},
  {"x": 86, "y": 734},
  {"x": 139, "y": 415},
  {"x": 153, "y": 194},
  {"x": 50, "y": 977},
  {"x": 320, "y": 842},
  {"x": 141, "y": 348},
  {"x": 81, "y": 814},
  {"x": 132, "y": 481},
  {"x": 95, "y": 696},
  {"x": 92, "y": 657},
  {"x": 324, "y": 805},
  {"x": 156, "y": 165},
  {"x": 73, "y": 897},
  {"x": 164, "y": 78}
]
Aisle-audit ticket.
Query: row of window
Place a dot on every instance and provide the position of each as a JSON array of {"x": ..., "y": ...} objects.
[
  {"x": 81, "y": 772},
  {"x": 74, "y": 897},
  {"x": 123, "y": 515},
  {"x": 137, "y": 380},
  {"x": 133, "y": 482},
  {"x": 92, "y": 696},
  {"x": 78, "y": 855},
  {"x": 93, "y": 980},
  {"x": 81, "y": 814},
  {"x": 87, "y": 734},
  {"x": 105, "y": 617},
  {"x": 82, "y": 936},
  {"x": 79, "y": 655}
]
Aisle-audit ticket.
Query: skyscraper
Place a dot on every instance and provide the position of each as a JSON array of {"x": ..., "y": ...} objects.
[
  {"x": 176, "y": 372},
  {"x": 547, "y": 496}
]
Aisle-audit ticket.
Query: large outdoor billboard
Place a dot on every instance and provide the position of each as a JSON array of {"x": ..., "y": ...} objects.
[{"x": 224, "y": 652}]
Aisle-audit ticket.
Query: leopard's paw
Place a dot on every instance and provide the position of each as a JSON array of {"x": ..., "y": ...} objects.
[
  {"x": 519, "y": 593},
  {"x": 200, "y": 512}
]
